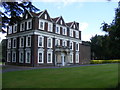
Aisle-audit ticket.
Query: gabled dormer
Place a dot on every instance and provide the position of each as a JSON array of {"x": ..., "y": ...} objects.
[
  {"x": 44, "y": 15},
  {"x": 27, "y": 15},
  {"x": 59, "y": 20},
  {"x": 73, "y": 25}
]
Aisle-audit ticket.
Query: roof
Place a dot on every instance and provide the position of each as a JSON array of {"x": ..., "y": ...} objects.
[{"x": 55, "y": 19}]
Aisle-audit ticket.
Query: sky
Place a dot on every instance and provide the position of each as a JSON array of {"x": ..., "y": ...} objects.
[{"x": 90, "y": 14}]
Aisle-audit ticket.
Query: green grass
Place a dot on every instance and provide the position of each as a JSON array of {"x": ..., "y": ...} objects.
[{"x": 100, "y": 76}]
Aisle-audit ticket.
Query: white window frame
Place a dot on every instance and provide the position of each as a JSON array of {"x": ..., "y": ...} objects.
[
  {"x": 64, "y": 33},
  {"x": 77, "y": 34},
  {"x": 27, "y": 41},
  {"x": 42, "y": 41},
  {"x": 20, "y": 41},
  {"x": 8, "y": 58},
  {"x": 28, "y": 24},
  {"x": 57, "y": 40},
  {"x": 72, "y": 45},
  {"x": 71, "y": 32},
  {"x": 43, "y": 24},
  {"x": 14, "y": 39},
  {"x": 20, "y": 57},
  {"x": 26, "y": 16},
  {"x": 15, "y": 28},
  {"x": 71, "y": 57},
  {"x": 77, "y": 55},
  {"x": 10, "y": 30},
  {"x": 74, "y": 26},
  {"x": 76, "y": 46},
  {"x": 51, "y": 57},
  {"x": 39, "y": 51},
  {"x": 9, "y": 43},
  {"x": 58, "y": 29},
  {"x": 13, "y": 52},
  {"x": 50, "y": 42},
  {"x": 27, "y": 51},
  {"x": 61, "y": 22},
  {"x": 45, "y": 16},
  {"x": 22, "y": 29},
  {"x": 50, "y": 27},
  {"x": 63, "y": 43}
]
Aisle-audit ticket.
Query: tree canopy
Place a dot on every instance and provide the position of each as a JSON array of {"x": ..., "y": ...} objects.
[
  {"x": 108, "y": 46},
  {"x": 12, "y": 11}
]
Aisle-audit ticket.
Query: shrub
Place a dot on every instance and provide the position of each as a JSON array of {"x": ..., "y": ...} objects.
[{"x": 104, "y": 61}]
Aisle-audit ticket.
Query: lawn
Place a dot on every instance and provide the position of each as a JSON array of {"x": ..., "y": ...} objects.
[{"x": 99, "y": 76}]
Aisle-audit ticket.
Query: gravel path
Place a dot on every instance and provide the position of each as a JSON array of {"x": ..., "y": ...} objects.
[{"x": 10, "y": 68}]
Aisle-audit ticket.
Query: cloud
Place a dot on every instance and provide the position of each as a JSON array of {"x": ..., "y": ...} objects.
[
  {"x": 83, "y": 26},
  {"x": 2, "y": 36}
]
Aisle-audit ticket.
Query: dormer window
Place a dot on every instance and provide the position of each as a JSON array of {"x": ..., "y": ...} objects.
[
  {"x": 22, "y": 26},
  {"x": 61, "y": 22},
  {"x": 26, "y": 16},
  {"x": 15, "y": 28},
  {"x": 45, "y": 16},
  {"x": 74, "y": 26}
]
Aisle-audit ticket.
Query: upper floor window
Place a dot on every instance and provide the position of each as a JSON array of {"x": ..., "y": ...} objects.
[
  {"x": 77, "y": 46},
  {"x": 22, "y": 26},
  {"x": 74, "y": 26},
  {"x": 14, "y": 42},
  {"x": 77, "y": 34},
  {"x": 64, "y": 31},
  {"x": 49, "y": 42},
  {"x": 50, "y": 27},
  {"x": 45, "y": 16},
  {"x": 71, "y": 45},
  {"x": 57, "y": 29},
  {"x": 41, "y": 25},
  {"x": 49, "y": 57},
  {"x": 21, "y": 41},
  {"x": 9, "y": 43},
  {"x": 29, "y": 24},
  {"x": 64, "y": 43},
  {"x": 9, "y": 29},
  {"x": 71, "y": 32},
  {"x": 40, "y": 41},
  {"x": 15, "y": 28},
  {"x": 28, "y": 41}
]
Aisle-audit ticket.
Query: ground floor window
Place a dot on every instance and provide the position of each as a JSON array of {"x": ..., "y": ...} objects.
[
  {"x": 28, "y": 56},
  {"x": 21, "y": 56},
  {"x": 49, "y": 57},
  {"x": 77, "y": 58},
  {"x": 13, "y": 56},
  {"x": 71, "y": 58},
  {"x": 8, "y": 56},
  {"x": 40, "y": 56}
]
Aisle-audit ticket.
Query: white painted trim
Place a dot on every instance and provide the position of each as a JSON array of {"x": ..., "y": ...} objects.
[
  {"x": 20, "y": 45},
  {"x": 39, "y": 51},
  {"x": 71, "y": 57},
  {"x": 42, "y": 41},
  {"x": 13, "y": 52},
  {"x": 50, "y": 42},
  {"x": 8, "y": 58},
  {"x": 78, "y": 46},
  {"x": 14, "y": 31},
  {"x": 56, "y": 41},
  {"x": 50, "y": 29},
  {"x": 20, "y": 56},
  {"x": 48, "y": 52},
  {"x": 41, "y": 13},
  {"x": 77, "y": 55},
  {"x": 14, "y": 39},
  {"x": 30, "y": 20},
  {"x": 10, "y": 30},
  {"x": 27, "y": 51},
  {"x": 27, "y": 41},
  {"x": 40, "y": 20}
]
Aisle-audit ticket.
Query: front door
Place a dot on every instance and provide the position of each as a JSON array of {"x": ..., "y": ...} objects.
[{"x": 63, "y": 59}]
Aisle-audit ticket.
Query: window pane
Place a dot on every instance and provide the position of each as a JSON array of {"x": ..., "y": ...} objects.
[
  {"x": 49, "y": 57},
  {"x": 40, "y": 57}
]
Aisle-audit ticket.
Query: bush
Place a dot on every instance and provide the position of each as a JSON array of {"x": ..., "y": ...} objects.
[{"x": 104, "y": 61}]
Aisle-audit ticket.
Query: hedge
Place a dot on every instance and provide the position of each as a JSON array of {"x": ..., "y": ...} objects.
[{"x": 104, "y": 61}]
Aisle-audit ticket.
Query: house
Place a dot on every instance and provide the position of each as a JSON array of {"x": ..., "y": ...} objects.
[{"x": 39, "y": 40}]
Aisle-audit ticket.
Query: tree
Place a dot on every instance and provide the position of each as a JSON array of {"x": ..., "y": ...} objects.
[{"x": 12, "y": 11}]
